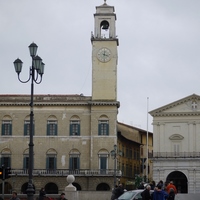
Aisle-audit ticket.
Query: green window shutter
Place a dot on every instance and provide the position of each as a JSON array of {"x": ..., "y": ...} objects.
[
  {"x": 99, "y": 129},
  {"x": 10, "y": 129},
  {"x": 47, "y": 163},
  {"x": 24, "y": 163},
  {"x": 3, "y": 129},
  {"x": 25, "y": 129},
  {"x": 48, "y": 129},
  {"x": 70, "y": 129},
  {"x": 9, "y": 162},
  {"x": 70, "y": 163},
  {"x": 78, "y": 163},
  {"x": 56, "y": 129},
  {"x": 79, "y": 127},
  {"x": 107, "y": 129},
  {"x": 103, "y": 161},
  {"x": 55, "y": 163}
]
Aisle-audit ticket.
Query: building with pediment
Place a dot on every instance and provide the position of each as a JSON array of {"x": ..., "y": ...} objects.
[{"x": 176, "y": 136}]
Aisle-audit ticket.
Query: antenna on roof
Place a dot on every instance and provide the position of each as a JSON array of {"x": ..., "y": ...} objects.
[{"x": 104, "y": 1}]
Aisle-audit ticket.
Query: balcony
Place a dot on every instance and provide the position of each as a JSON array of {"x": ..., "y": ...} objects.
[
  {"x": 175, "y": 155},
  {"x": 66, "y": 172}
]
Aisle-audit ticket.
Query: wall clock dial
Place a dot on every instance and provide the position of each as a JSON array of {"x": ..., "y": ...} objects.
[{"x": 104, "y": 54}]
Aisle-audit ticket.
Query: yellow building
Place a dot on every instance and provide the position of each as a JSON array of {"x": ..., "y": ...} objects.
[{"x": 132, "y": 148}]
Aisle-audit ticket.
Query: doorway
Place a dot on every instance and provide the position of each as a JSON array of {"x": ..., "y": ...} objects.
[{"x": 180, "y": 181}]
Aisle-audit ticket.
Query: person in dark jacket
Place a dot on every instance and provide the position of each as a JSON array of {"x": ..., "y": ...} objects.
[
  {"x": 159, "y": 194},
  {"x": 171, "y": 194},
  {"x": 42, "y": 194},
  {"x": 146, "y": 193},
  {"x": 118, "y": 191}
]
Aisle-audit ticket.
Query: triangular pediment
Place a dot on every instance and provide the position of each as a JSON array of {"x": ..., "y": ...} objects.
[{"x": 189, "y": 105}]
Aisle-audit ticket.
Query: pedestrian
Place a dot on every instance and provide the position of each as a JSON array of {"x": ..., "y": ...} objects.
[
  {"x": 146, "y": 193},
  {"x": 171, "y": 185},
  {"x": 42, "y": 194},
  {"x": 153, "y": 185},
  {"x": 62, "y": 196},
  {"x": 14, "y": 196},
  {"x": 118, "y": 191},
  {"x": 159, "y": 194},
  {"x": 160, "y": 183},
  {"x": 171, "y": 194},
  {"x": 113, "y": 193}
]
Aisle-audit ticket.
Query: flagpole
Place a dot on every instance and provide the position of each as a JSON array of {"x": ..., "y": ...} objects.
[{"x": 147, "y": 161}]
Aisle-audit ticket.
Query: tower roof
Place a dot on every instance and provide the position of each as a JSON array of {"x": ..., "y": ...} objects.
[{"x": 105, "y": 8}]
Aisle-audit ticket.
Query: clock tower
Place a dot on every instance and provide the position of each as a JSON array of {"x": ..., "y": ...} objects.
[{"x": 104, "y": 54}]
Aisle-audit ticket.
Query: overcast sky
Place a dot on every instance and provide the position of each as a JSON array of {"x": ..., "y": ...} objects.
[{"x": 159, "y": 50}]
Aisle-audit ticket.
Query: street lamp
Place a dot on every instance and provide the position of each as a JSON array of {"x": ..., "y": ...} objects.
[
  {"x": 35, "y": 75},
  {"x": 114, "y": 157}
]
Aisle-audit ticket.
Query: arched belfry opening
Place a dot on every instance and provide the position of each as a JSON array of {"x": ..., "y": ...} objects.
[
  {"x": 104, "y": 29},
  {"x": 180, "y": 181}
]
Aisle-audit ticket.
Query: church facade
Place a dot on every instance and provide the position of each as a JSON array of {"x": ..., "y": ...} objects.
[{"x": 176, "y": 136}]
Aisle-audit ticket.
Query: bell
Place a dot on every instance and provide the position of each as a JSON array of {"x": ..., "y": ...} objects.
[{"x": 104, "y": 25}]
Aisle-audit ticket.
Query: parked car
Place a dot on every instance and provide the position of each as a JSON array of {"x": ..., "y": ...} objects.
[{"x": 132, "y": 195}]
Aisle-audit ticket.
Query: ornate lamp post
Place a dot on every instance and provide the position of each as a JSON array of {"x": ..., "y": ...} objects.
[
  {"x": 35, "y": 75},
  {"x": 114, "y": 157}
]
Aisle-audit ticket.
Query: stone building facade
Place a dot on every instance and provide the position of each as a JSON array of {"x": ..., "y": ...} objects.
[{"x": 73, "y": 134}]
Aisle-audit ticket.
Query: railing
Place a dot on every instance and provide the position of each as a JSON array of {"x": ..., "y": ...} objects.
[
  {"x": 176, "y": 155},
  {"x": 61, "y": 172}
]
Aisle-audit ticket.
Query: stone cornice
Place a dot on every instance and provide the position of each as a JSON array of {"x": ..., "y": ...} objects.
[
  {"x": 176, "y": 114},
  {"x": 53, "y": 100}
]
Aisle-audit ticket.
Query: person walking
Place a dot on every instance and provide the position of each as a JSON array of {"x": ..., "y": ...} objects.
[
  {"x": 14, "y": 196},
  {"x": 42, "y": 194},
  {"x": 171, "y": 185},
  {"x": 160, "y": 194},
  {"x": 118, "y": 191},
  {"x": 146, "y": 193},
  {"x": 171, "y": 194},
  {"x": 62, "y": 196}
]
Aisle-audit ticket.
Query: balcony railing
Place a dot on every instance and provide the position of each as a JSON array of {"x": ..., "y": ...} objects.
[
  {"x": 176, "y": 155},
  {"x": 61, "y": 172}
]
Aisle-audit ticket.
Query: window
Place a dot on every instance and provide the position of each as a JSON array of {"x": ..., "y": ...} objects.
[
  {"x": 52, "y": 127},
  {"x": 26, "y": 162},
  {"x": 51, "y": 163},
  {"x": 74, "y": 127},
  {"x": 103, "y": 159},
  {"x": 5, "y": 157},
  {"x": 5, "y": 160},
  {"x": 103, "y": 127},
  {"x": 27, "y": 127},
  {"x": 74, "y": 161},
  {"x": 6, "y": 127}
]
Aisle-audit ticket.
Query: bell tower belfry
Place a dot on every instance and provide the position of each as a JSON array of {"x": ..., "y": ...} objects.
[{"x": 104, "y": 54}]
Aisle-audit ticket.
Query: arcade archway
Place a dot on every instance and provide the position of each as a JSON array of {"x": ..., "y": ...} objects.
[
  {"x": 103, "y": 187},
  {"x": 180, "y": 181}
]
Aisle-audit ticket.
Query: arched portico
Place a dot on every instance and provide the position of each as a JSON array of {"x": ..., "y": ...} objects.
[{"x": 180, "y": 181}]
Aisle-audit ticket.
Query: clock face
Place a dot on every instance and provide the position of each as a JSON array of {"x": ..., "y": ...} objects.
[{"x": 104, "y": 54}]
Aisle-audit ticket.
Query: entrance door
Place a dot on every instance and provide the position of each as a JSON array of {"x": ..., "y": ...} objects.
[{"x": 180, "y": 181}]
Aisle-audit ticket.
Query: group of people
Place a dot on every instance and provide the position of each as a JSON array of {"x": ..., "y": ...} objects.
[
  {"x": 42, "y": 195},
  {"x": 161, "y": 192}
]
